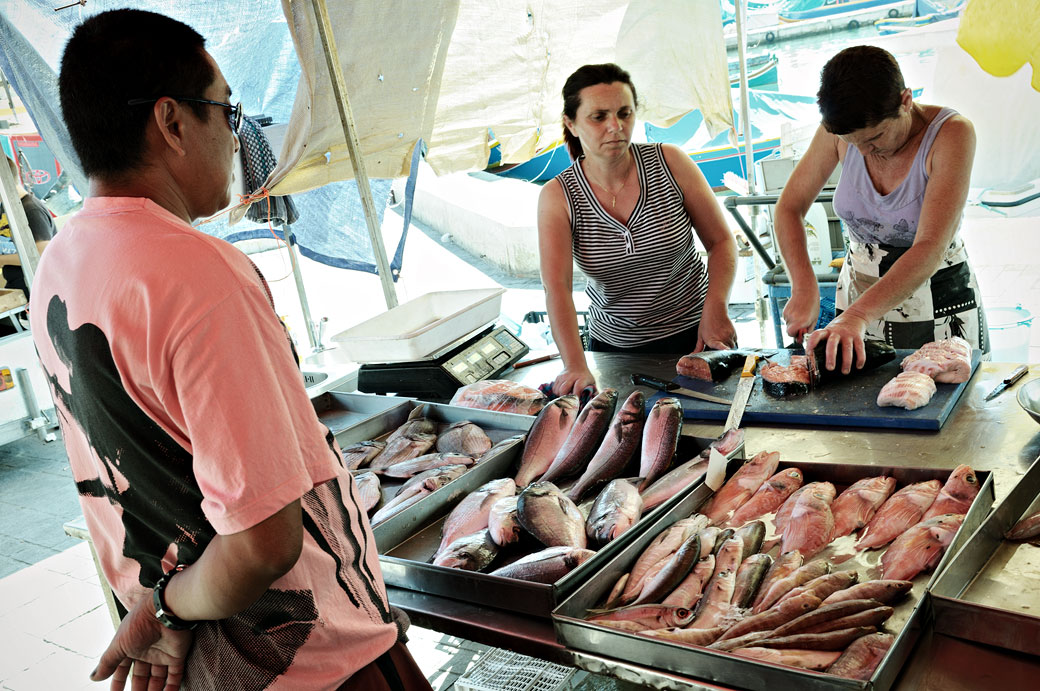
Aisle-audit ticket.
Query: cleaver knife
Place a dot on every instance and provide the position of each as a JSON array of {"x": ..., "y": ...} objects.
[
  {"x": 740, "y": 398},
  {"x": 672, "y": 387}
]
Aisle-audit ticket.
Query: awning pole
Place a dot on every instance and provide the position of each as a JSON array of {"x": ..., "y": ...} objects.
[
  {"x": 20, "y": 231},
  {"x": 339, "y": 88},
  {"x": 301, "y": 292}
]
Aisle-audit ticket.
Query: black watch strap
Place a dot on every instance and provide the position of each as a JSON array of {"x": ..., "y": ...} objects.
[{"x": 162, "y": 612}]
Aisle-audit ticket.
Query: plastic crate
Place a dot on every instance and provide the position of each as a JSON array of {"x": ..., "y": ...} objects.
[{"x": 502, "y": 670}]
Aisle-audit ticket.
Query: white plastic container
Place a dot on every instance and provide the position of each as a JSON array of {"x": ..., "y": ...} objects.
[
  {"x": 419, "y": 328},
  {"x": 1009, "y": 333}
]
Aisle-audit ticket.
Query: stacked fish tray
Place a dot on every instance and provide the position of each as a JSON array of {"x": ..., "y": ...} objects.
[
  {"x": 408, "y": 542},
  {"x": 350, "y": 414},
  {"x": 697, "y": 661},
  {"x": 990, "y": 591}
]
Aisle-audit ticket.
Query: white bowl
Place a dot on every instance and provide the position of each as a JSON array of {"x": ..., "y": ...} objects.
[{"x": 1029, "y": 398}]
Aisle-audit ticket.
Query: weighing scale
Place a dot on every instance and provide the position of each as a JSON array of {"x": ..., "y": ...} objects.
[{"x": 483, "y": 354}]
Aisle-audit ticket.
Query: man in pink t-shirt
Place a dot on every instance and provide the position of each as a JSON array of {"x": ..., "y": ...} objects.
[{"x": 219, "y": 506}]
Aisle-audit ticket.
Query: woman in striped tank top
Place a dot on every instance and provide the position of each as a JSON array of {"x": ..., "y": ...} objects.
[
  {"x": 623, "y": 213},
  {"x": 906, "y": 167}
]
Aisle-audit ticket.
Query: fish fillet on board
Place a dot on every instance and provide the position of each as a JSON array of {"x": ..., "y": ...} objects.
[
  {"x": 947, "y": 361},
  {"x": 910, "y": 390},
  {"x": 900, "y": 511},
  {"x": 739, "y": 488}
]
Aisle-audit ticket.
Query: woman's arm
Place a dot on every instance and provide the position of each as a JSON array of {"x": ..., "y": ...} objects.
[
  {"x": 556, "y": 260},
  {"x": 951, "y": 158},
  {"x": 802, "y": 188},
  {"x": 716, "y": 329}
]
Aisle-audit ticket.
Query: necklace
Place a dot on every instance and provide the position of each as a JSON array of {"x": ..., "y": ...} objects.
[{"x": 613, "y": 195}]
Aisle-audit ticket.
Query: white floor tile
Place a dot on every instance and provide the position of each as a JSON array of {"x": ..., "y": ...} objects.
[
  {"x": 62, "y": 605},
  {"x": 87, "y": 635}
]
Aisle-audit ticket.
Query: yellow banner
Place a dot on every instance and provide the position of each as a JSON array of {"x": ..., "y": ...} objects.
[{"x": 1002, "y": 35}]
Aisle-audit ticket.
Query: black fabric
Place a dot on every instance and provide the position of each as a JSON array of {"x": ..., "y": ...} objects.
[
  {"x": 681, "y": 343},
  {"x": 42, "y": 227}
]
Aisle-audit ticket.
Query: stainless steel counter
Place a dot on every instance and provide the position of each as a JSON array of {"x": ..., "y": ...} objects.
[{"x": 997, "y": 436}]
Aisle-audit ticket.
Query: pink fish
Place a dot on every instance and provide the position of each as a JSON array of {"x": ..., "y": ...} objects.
[
  {"x": 739, "y": 488},
  {"x": 920, "y": 548},
  {"x": 900, "y": 511},
  {"x": 784, "y": 512},
  {"x": 854, "y": 507},
  {"x": 811, "y": 524},
  {"x": 769, "y": 497},
  {"x": 956, "y": 495},
  {"x": 910, "y": 390}
]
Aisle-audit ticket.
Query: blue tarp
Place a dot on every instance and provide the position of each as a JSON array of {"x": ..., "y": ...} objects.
[{"x": 250, "y": 41}]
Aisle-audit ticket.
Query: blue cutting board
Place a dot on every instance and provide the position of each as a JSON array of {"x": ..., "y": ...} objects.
[{"x": 847, "y": 403}]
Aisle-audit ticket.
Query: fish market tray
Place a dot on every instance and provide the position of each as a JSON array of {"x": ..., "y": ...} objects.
[
  {"x": 731, "y": 671},
  {"x": 851, "y": 403},
  {"x": 990, "y": 591},
  {"x": 407, "y": 544},
  {"x": 341, "y": 411}
]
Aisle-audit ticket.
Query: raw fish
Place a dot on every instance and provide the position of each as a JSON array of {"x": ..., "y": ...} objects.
[
  {"x": 880, "y": 590},
  {"x": 957, "y": 494},
  {"x": 547, "y": 566},
  {"x": 650, "y": 616},
  {"x": 769, "y": 496},
  {"x": 689, "y": 591},
  {"x": 676, "y": 569},
  {"x": 739, "y": 488},
  {"x": 403, "y": 447},
  {"x": 783, "y": 566},
  {"x": 471, "y": 514},
  {"x": 828, "y": 640},
  {"x": 502, "y": 395},
  {"x": 429, "y": 461},
  {"x": 773, "y": 617},
  {"x": 806, "y": 659},
  {"x": 900, "y": 511},
  {"x": 780, "y": 381},
  {"x": 877, "y": 352},
  {"x": 469, "y": 552},
  {"x": 862, "y": 657},
  {"x": 780, "y": 587},
  {"x": 358, "y": 455},
  {"x": 662, "y": 546},
  {"x": 415, "y": 424},
  {"x": 854, "y": 507},
  {"x": 1025, "y": 529},
  {"x": 621, "y": 441},
  {"x": 910, "y": 390},
  {"x": 749, "y": 577},
  {"x": 660, "y": 439},
  {"x": 947, "y": 361},
  {"x": 711, "y": 365},
  {"x": 368, "y": 490},
  {"x": 503, "y": 523},
  {"x": 675, "y": 481},
  {"x": 616, "y": 509},
  {"x": 811, "y": 524},
  {"x": 548, "y": 433},
  {"x": 464, "y": 437},
  {"x": 584, "y": 437},
  {"x": 921, "y": 547},
  {"x": 550, "y": 516},
  {"x": 701, "y": 637}
]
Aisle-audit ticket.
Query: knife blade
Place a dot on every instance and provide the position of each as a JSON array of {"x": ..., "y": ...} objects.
[
  {"x": 740, "y": 398},
  {"x": 1011, "y": 379},
  {"x": 672, "y": 387}
]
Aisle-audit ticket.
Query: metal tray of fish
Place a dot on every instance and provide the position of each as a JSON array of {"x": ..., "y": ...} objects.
[
  {"x": 343, "y": 411},
  {"x": 990, "y": 591},
  {"x": 406, "y": 549},
  {"x": 506, "y": 431},
  {"x": 573, "y": 631}
]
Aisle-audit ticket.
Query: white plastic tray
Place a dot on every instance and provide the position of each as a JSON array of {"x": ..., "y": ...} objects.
[{"x": 420, "y": 327}]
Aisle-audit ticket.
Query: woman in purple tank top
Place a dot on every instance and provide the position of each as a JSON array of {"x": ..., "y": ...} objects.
[{"x": 906, "y": 167}]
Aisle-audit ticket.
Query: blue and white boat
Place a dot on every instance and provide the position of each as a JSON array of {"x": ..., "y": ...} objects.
[
  {"x": 798, "y": 10},
  {"x": 762, "y": 71}
]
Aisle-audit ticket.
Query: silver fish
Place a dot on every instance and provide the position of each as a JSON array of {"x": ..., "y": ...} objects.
[
  {"x": 618, "y": 445},
  {"x": 445, "y": 472},
  {"x": 749, "y": 577},
  {"x": 406, "y": 496},
  {"x": 368, "y": 490},
  {"x": 358, "y": 455},
  {"x": 471, "y": 514},
  {"x": 550, "y": 516},
  {"x": 660, "y": 439},
  {"x": 547, "y": 566},
  {"x": 464, "y": 437},
  {"x": 548, "y": 433},
  {"x": 675, "y": 481},
  {"x": 584, "y": 437},
  {"x": 403, "y": 448},
  {"x": 752, "y": 534},
  {"x": 673, "y": 573},
  {"x": 616, "y": 509},
  {"x": 412, "y": 467},
  {"x": 503, "y": 523},
  {"x": 415, "y": 424},
  {"x": 469, "y": 552}
]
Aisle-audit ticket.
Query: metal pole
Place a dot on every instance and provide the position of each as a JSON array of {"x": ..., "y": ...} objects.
[
  {"x": 10, "y": 101},
  {"x": 346, "y": 116},
  {"x": 305, "y": 307},
  {"x": 20, "y": 231}
]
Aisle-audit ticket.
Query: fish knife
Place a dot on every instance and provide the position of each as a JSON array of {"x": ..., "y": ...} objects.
[
  {"x": 740, "y": 398},
  {"x": 672, "y": 387},
  {"x": 1011, "y": 379}
]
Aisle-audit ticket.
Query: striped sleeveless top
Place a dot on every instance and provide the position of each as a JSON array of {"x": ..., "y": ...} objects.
[{"x": 646, "y": 280}]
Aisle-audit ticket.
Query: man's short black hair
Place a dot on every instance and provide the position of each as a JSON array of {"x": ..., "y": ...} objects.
[
  {"x": 117, "y": 56},
  {"x": 859, "y": 87}
]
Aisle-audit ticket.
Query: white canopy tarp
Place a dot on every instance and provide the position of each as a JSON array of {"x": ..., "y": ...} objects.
[{"x": 445, "y": 71}]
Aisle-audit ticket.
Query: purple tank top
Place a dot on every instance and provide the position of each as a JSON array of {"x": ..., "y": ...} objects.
[{"x": 885, "y": 219}]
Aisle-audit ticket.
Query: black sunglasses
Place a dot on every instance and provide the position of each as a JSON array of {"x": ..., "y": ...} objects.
[{"x": 234, "y": 111}]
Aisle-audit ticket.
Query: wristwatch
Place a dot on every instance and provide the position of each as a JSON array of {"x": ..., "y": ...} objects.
[{"x": 162, "y": 612}]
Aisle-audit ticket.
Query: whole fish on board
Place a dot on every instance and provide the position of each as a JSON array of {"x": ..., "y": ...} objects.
[
  {"x": 616, "y": 509},
  {"x": 550, "y": 516},
  {"x": 660, "y": 439},
  {"x": 862, "y": 656},
  {"x": 471, "y": 514},
  {"x": 814, "y": 660},
  {"x": 711, "y": 365},
  {"x": 701, "y": 637},
  {"x": 659, "y": 549},
  {"x": 402, "y": 448},
  {"x": 503, "y": 523},
  {"x": 768, "y": 498},
  {"x": 468, "y": 552},
  {"x": 854, "y": 507},
  {"x": 741, "y": 486},
  {"x": 957, "y": 494},
  {"x": 416, "y": 423},
  {"x": 650, "y": 616},
  {"x": 546, "y": 566},
  {"x": 1026, "y": 529},
  {"x": 780, "y": 587},
  {"x": 880, "y": 590},
  {"x": 368, "y": 490},
  {"x": 900, "y": 511},
  {"x": 783, "y": 514},
  {"x": 584, "y": 437},
  {"x": 690, "y": 589},
  {"x": 464, "y": 437},
  {"x": 621, "y": 441},
  {"x": 921, "y": 547},
  {"x": 676, "y": 569},
  {"x": 358, "y": 455},
  {"x": 429, "y": 461},
  {"x": 675, "y": 481},
  {"x": 409, "y": 494},
  {"x": 749, "y": 577},
  {"x": 773, "y": 617},
  {"x": 549, "y": 431},
  {"x": 811, "y": 524},
  {"x": 783, "y": 566},
  {"x": 829, "y": 640}
]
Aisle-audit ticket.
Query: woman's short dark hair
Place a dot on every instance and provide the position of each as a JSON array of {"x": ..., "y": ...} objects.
[
  {"x": 589, "y": 75},
  {"x": 117, "y": 56},
  {"x": 859, "y": 87}
]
